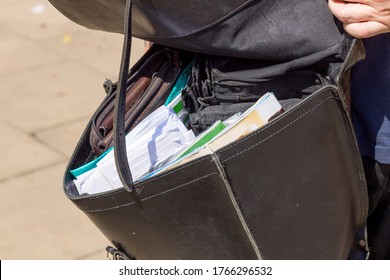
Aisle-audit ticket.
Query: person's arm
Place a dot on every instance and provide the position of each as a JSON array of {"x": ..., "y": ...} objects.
[{"x": 363, "y": 18}]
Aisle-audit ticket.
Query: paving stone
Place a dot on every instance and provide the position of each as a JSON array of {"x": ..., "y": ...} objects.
[
  {"x": 18, "y": 53},
  {"x": 97, "y": 255},
  {"x": 41, "y": 223},
  {"x": 64, "y": 138},
  {"x": 21, "y": 153},
  {"x": 19, "y": 17},
  {"x": 96, "y": 49},
  {"x": 51, "y": 75},
  {"x": 50, "y": 96}
]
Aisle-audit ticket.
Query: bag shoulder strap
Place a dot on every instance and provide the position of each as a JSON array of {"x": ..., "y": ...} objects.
[{"x": 120, "y": 151}]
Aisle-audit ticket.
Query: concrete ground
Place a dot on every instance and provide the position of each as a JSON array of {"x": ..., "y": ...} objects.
[{"x": 51, "y": 75}]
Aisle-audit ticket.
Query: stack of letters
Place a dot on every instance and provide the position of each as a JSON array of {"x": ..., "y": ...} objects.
[{"x": 162, "y": 141}]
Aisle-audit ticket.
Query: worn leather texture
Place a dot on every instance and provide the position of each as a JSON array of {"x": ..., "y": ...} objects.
[
  {"x": 298, "y": 183},
  {"x": 293, "y": 189},
  {"x": 261, "y": 29}
]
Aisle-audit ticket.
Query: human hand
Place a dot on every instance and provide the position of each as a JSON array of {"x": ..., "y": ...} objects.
[{"x": 362, "y": 18}]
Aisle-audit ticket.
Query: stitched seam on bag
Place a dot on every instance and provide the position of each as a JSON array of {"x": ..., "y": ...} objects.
[
  {"x": 147, "y": 182},
  {"x": 355, "y": 158},
  {"x": 150, "y": 197},
  {"x": 266, "y": 126},
  {"x": 277, "y": 132},
  {"x": 199, "y": 29},
  {"x": 239, "y": 211},
  {"x": 175, "y": 170}
]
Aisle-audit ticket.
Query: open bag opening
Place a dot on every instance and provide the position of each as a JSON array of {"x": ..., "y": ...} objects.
[
  {"x": 289, "y": 184},
  {"x": 210, "y": 95},
  {"x": 236, "y": 184}
]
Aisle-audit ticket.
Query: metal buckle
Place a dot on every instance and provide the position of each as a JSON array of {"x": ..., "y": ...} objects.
[{"x": 115, "y": 254}]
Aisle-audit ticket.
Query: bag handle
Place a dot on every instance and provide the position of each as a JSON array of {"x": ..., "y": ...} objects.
[{"x": 121, "y": 160}]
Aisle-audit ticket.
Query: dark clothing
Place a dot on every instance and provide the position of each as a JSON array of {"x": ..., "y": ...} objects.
[
  {"x": 378, "y": 225},
  {"x": 371, "y": 118},
  {"x": 371, "y": 99}
]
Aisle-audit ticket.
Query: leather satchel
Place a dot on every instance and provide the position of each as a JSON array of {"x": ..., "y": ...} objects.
[{"x": 293, "y": 189}]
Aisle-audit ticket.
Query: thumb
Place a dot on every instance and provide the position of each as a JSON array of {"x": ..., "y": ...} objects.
[{"x": 365, "y": 29}]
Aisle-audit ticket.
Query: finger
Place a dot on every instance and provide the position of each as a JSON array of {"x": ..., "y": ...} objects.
[
  {"x": 357, "y": 1},
  {"x": 365, "y": 29},
  {"x": 348, "y": 12}
]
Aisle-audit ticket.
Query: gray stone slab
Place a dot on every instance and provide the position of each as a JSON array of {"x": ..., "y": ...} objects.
[
  {"x": 98, "y": 50},
  {"x": 51, "y": 73},
  {"x": 63, "y": 138},
  {"x": 97, "y": 255},
  {"x": 22, "y": 153},
  {"x": 50, "y": 96},
  {"x": 20, "y": 17},
  {"x": 18, "y": 53},
  {"x": 39, "y": 222}
]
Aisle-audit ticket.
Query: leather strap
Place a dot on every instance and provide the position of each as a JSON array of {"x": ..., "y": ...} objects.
[{"x": 121, "y": 159}]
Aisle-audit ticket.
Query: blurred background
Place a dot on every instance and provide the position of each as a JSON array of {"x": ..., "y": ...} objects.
[{"x": 51, "y": 77}]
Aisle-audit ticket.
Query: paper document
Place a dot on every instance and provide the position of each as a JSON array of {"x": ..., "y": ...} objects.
[
  {"x": 151, "y": 144},
  {"x": 178, "y": 107},
  {"x": 255, "y": 117},
  {"x": 161, "y": 142},
  {"x": 205, "y": 137}
]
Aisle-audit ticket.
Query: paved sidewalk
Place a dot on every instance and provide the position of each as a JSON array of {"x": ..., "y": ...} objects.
[{"x": 51, "y": 75}]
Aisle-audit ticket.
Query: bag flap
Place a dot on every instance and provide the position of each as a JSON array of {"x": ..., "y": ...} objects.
[{"x": 150, "y": 17}]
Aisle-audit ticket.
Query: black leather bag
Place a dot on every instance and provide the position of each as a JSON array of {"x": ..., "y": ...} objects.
[
  {"x": 294, "y": 189},
  {"x": 273, "y": 30}
]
